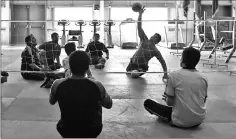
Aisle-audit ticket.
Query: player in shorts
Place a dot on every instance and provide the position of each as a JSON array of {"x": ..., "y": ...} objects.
[{"x": 146, "y": 51}]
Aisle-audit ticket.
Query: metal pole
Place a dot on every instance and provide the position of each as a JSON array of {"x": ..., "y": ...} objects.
[
  {"x": 176, "y": 28},
  {"x": 120, "y": 33},
  {"x": 135, "y": 21},
  {"x": 204, "y": 27},
  {"x": 186, "y": 32},
  {"x": 216, "y": 41},
  {"x": 1, "y": 58}
]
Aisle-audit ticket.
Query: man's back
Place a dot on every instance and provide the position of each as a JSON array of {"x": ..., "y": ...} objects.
[
  {"x": 190, "y": 91},
  {"x": 79, "y": 102}
]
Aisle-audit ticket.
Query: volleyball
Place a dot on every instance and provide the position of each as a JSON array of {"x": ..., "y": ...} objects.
[
  {"x": 135, "y": 74},
  {"x": 136, "y": 7}
]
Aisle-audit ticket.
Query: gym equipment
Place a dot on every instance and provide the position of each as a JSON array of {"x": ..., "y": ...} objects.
[
  {"x": 216, "y": 45},
  {"x": 63, "y": 23},
  {"x": 177, "y": 45},
  {"x": 224, "y": 33},
  {"x": 109, "y": 23},
  {"x": 126, "y": 43},
  {"x": 95, "y": 23},
  {"x": 75, "y": 35},
  {"x": 80, "y": 23},
  {"x": 136, "y": 7},
  {"x": 205, "y": 38}
]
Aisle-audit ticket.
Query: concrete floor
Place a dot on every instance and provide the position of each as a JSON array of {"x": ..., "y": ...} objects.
[{"x": 26, "y": 112}]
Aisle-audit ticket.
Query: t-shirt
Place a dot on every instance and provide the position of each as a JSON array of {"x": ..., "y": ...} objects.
[
  {"x": 80, "y": 101},
  {"x": 29, "y": 56},
  {"x": 189, "y": 88},
  {"x": 53, "y": 50},
  {"x": 66, "y": 66},
  {"x": 96, "y": 49}
]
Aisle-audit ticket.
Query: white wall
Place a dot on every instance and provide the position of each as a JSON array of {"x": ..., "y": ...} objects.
[{"x": 5, "y": 15}]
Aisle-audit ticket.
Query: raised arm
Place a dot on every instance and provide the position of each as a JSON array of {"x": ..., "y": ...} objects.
[
  {"x": 162, "y": 61},
  {"x": 141, "y": 33}
]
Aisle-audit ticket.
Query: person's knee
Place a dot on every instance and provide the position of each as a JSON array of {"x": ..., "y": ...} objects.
[
  {"x": 94, "y": 61},
  {"x": 102, "y": 60},
  {"x": 147, "y": 102}
]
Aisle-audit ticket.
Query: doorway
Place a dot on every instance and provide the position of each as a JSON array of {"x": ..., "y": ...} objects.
[{"x": 19, "y": 30}]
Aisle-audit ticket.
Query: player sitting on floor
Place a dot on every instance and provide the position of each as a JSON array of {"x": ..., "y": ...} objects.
[
  {"x": 185, "y": 94},
  {"x": 30, "y": 60},
  {"x": 146, "y": 51},
  {"x": 80, "y": 100},
  {"x": 53, "y": 51},
  {"x": 69, "y": 48},
  {"x": 95, "y": 49}
]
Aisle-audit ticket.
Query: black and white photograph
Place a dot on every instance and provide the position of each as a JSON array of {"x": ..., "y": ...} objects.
[{"x": 117, "y": 69}]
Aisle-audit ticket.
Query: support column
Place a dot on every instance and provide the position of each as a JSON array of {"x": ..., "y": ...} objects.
[
  {"x": 45, "y": 23},
  {"x": 1, "y": 59},
  {"x": 102, "y": 36}
]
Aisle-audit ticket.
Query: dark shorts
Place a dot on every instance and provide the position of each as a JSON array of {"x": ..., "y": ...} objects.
[
  {"x": 98, "y": 60},
  {"x": 33, "y": 76},
  {"x": 54, "y": 66},
  {"x": 78, "y": 131},
  {"x": 139, "y": 67}
]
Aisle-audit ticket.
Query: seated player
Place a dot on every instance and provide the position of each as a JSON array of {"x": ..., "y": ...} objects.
[
  {"x": 95, "y": 49},
  {"x": 146, "y": 51},
  {"x": 53, "y": 51},
  {"x": 69, "y": 48},
  {"x": 80, "y": 100},
  {"x": 185, "y": 94},
  {"x": 30, "y": 60}
]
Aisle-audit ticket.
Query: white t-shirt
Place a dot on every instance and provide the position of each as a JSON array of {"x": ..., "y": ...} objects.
[
  {"x": 189, "y": 88},
  {"x": 66, "y": 66}
]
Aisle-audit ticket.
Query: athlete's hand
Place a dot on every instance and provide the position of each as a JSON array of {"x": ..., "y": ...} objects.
[
  {"x": 142, "y": 10},
  {"x": 164, "y": 96},
  {"x": 165, "y": 79}
]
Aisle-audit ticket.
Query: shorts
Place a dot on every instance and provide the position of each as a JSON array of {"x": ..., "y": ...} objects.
[
  {"x": 139, "y": 67},
  {"x": 98, "y": 60}
]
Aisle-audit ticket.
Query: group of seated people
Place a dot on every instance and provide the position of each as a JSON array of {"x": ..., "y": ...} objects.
[
  {"x": 81, "y": 98},
  {"x": 37, "y": 61}
]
